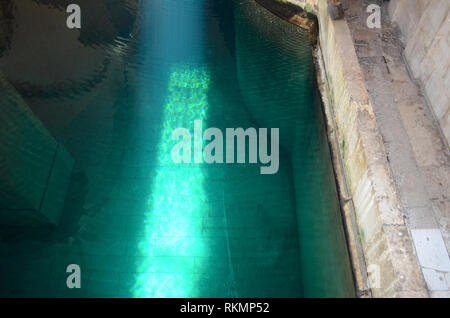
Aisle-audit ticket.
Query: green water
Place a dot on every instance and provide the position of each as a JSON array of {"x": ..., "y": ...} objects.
[{"x": 139, "y": 225}]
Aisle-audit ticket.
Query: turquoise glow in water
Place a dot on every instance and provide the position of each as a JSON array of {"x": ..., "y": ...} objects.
[
  {"x": 140, "y": 225},
  {"x": 178, "y": 198}
]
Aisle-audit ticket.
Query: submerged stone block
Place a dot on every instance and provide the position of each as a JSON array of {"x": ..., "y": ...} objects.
[{"x": 35, "y": 169}]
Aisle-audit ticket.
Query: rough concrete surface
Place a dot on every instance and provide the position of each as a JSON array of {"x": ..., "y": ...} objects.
[
  {"x": 416, "y": 149},
  {"x": 425, "y": 30}
]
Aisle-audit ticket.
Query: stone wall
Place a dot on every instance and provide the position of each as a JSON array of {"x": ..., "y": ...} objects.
[
  {"x": 382, "y": 252},
  {"x": 387, "y": 247},
  {"x": 425, "y": 27}
]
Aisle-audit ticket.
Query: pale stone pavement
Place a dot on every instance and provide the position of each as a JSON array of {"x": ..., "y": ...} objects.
[{"x": 416, "y": 149}]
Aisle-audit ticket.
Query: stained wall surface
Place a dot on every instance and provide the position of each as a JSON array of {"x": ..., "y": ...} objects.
[{"x": 425, "y": 28}]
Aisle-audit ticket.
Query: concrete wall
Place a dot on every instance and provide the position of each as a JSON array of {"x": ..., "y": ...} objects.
[
  {"x": 387, "y": 247},
  {"x": 425, "y": 27}
]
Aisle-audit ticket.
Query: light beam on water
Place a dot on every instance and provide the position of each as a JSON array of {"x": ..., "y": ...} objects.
[
  {"x": 173, "y": 221},
  {"x": 172, "y": 243}
]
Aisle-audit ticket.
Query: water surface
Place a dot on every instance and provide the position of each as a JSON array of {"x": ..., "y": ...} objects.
[{"x": 140, "y": 225}]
